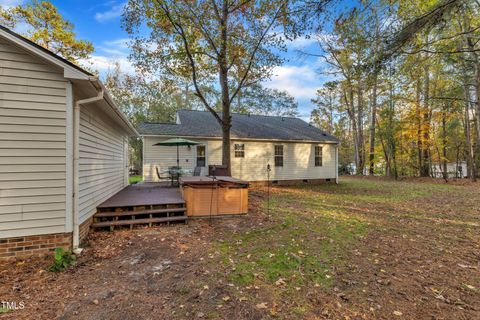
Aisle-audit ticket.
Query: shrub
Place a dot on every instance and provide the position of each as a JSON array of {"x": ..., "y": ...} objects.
[{"x": 63, "y": 259}]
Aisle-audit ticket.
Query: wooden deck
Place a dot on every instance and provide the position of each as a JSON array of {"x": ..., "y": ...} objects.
[
  {"x": 138, "y": 204},
  {"x": 149, "y": 203},
  {"x": 144, "y": 194}
]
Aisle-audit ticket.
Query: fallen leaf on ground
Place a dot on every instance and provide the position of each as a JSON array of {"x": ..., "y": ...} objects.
[{"x": 280, "y": 282}]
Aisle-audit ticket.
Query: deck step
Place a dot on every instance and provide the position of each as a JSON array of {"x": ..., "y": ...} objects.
[
  {"x": 140, "y": 212},
  {"x": 137, "y": 221}
]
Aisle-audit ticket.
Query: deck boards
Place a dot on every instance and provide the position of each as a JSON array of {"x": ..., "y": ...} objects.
[{"x": 143, "y": 195}]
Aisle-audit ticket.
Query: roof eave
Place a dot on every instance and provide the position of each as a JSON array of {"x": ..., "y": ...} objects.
[
  {"x": 108, "y": 98},
  {"x": 240, "y": 139}
]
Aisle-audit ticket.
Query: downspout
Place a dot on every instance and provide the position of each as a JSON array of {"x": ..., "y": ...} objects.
[
  {"x": 76, "y": 158},
  {"x": 336, "y": 163}
]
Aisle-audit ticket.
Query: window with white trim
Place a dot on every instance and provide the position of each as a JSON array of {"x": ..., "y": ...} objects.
[
  {"x": 278, "y": 156},
  {"x": 318, "y": 156},
  {"x": 239, "y": 149},
  {"x": 201, "y": 156}
]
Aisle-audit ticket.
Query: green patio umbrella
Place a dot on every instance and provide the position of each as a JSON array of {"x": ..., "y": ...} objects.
[{"x": 177, "y": 142}]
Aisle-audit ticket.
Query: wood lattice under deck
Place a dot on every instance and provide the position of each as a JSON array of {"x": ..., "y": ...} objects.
[{"x": 146, "y": 203}]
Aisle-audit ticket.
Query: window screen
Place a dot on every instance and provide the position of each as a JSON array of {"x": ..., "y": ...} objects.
[
  {"x": 239, "y": 150},
  {"x": 201, "y": 156},
  {"x": 279, "y": 156},
  {"x": 318, "y": 156}
]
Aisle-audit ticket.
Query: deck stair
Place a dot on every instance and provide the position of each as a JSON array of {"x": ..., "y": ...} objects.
[
  {"x": 139, "y": 215},
  {"x": 141, "y": 204}
]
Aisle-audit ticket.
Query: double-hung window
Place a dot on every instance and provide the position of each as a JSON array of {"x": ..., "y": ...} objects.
[
  {"x": 201, "y": 156},
  {"x": 318, "y": 156},
  {"x": 278, "y": 156},
  {"x": 239, "y": 149}
]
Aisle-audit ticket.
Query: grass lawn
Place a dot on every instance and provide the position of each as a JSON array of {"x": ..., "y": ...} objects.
[
  {"x": 357, "y": 241},
  {"x": 134, "y": 179},
  {"x": 363, "y": 249}
]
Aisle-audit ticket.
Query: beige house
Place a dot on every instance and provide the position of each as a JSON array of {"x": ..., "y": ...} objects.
[
  {"x": 63, "y": 148},
  {"x": 295, "y": 150}
]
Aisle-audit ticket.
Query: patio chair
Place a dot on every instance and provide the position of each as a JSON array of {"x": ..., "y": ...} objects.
[
  {"x": 197, "y": 171},
  {"x": 160, "y": 177}
]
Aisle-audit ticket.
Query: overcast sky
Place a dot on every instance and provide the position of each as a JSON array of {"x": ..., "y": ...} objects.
[{"x": 99, "y": 22}]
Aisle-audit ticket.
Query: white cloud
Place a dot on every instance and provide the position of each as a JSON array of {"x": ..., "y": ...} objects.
[
  {"x": 118, "y": 47},
  {"x": 299, "y": 81},
  {"x": 108, "y": 54},
  {"x": 121, "y": 43},
  {"x": 114, "y": 12},
  {"x": 5, "y": 4},
  {"x": 106, "y": 64},
  {"x": 301, "y": 43}
]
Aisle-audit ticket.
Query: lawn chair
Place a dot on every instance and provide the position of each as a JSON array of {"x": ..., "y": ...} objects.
[
  {"x": 160, "y": 177},
  {"x": 173, "y": 175}
]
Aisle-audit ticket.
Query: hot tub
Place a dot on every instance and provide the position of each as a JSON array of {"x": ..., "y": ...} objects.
[{"x": 208, "y": 196}]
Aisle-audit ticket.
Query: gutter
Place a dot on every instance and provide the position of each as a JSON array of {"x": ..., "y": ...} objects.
[{"x": 76, "y": 158}]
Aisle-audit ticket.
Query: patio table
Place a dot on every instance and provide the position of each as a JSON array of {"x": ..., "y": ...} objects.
[{"x": 175, "y": 173}]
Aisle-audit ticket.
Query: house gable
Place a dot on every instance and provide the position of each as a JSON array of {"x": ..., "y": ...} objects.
[{"x": 33, "y": 100}]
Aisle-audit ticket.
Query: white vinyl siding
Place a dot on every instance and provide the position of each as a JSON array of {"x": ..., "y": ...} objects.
[
  {"x": 164, "y": 157},
  {"x": 32, "y": 145},
  {"x": 298, "y": 159},
  {"x": 103, "y": 163},
  {"x": 298, "y": 162}
]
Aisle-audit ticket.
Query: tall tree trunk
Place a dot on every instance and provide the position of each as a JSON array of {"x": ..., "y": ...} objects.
[
  {"x": 391, "y": 137},
  {"x": 372, "y": 126},
  {"x": 425, "y": 152},
  {"x": 471, "y": 165},
  {"x": 223, "y": 76},
  {"x": 474, "y": 57},
  {"x": 374, "y": 95},
  {"x": 361, "y": 141},
  {"x": 331, "y": 113},
  {"x": 388, "y": 170},
  {"x": 419, "y": 127},
  {"x": 463, "y": 23},
  {"x": 477, "y": 112},
  {"x": 349, "y": 102},
  {"x": 444, "y": 144}
]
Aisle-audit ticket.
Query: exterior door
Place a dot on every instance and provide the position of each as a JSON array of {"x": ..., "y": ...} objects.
[{"x": 201, "y": 156}]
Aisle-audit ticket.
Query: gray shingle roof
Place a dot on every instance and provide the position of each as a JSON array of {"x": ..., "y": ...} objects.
[{"x": 203, "y": 124}]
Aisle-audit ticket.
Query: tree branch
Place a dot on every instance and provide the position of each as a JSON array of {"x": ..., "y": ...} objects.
[
  {"x": 252, "y": 56},
  {"x": 202, "y": 29},
  {"x": 238, "y": 6},
  {"x": 179, "y": 29},
  {"x": 462, "y": 50}
]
